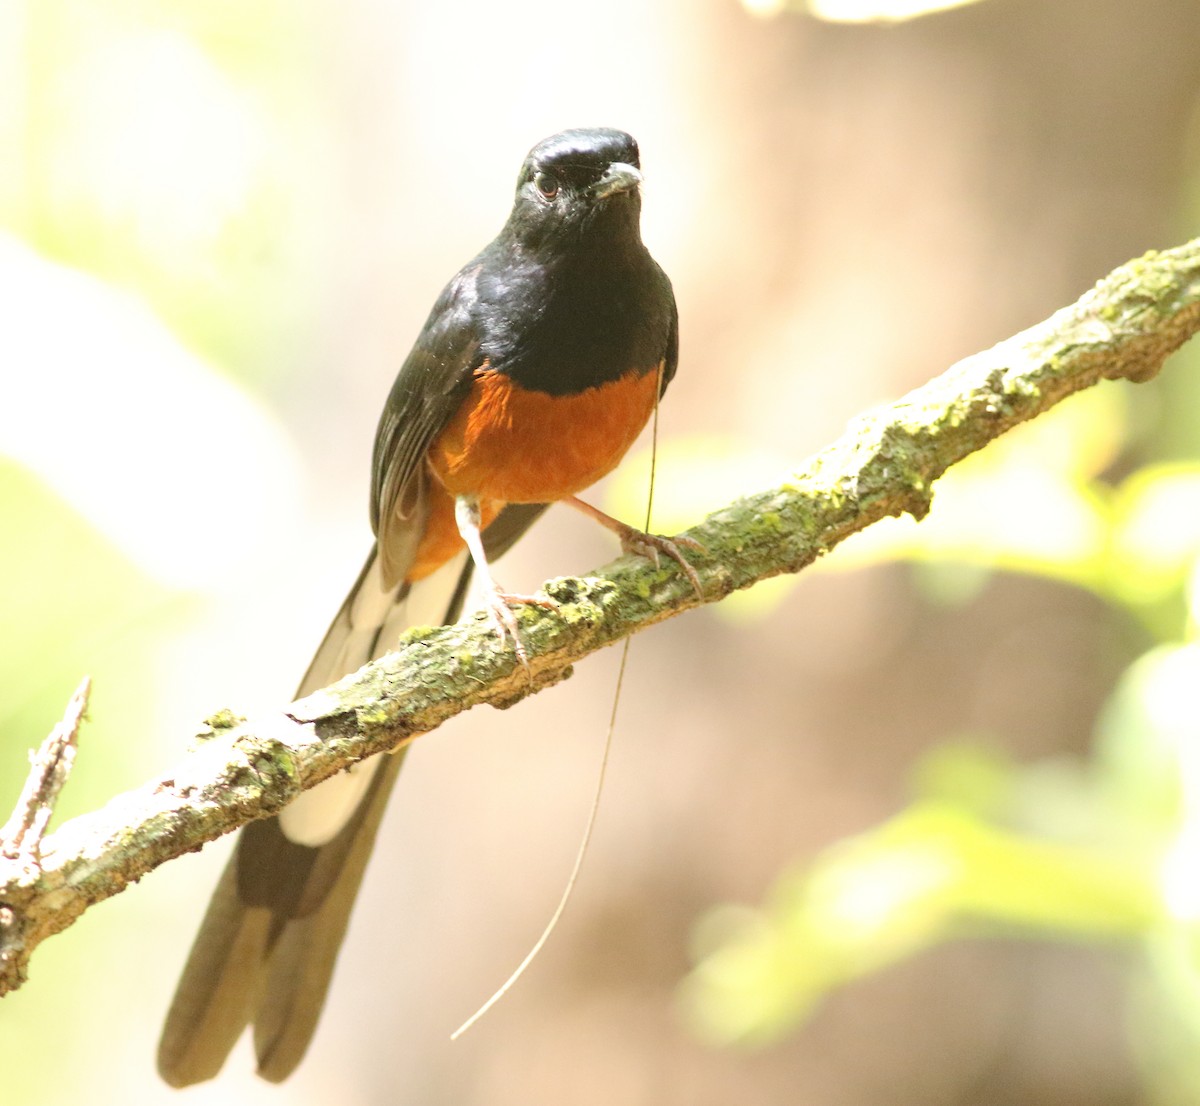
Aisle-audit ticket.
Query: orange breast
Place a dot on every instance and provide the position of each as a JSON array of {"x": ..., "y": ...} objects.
[
  {"x": 515, "y": 445},
  {"x": 508, "y": 444}
]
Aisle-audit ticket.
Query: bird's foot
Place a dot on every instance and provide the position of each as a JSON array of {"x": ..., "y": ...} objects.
[
  {"x": 499, "y": 605},
  {"x": 653, "y": 546}
]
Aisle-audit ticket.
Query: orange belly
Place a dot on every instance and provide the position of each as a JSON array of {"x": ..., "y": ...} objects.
[
  {"x": 520, "y": 446},
  {"x": 508, "y": 444}
]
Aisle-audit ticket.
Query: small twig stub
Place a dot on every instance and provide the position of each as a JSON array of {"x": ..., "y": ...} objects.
[{"x": 50, "y": 765}]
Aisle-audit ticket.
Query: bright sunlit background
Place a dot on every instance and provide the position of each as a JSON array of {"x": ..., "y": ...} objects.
[{"x": 922, "y": 827}]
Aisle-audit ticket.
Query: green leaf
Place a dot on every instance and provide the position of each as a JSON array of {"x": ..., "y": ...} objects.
[{"x": 932, "y": 873}]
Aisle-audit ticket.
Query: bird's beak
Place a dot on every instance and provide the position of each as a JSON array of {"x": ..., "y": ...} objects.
[{"x": 619, "y": 178}]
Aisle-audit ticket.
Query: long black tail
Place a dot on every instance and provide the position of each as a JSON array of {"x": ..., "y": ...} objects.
[{"x": 267, "y": 946}]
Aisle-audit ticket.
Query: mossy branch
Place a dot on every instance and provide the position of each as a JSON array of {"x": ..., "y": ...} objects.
[{"x": 885, "y": 464}]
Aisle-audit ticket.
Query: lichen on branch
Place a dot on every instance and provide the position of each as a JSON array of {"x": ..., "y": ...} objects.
[{"x": 885, "y": 464}]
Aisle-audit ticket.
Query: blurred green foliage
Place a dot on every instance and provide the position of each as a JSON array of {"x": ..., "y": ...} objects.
[
  {"x": 158, "y": 147},
  {"x": 175, "y": 152},
  {"x": 1102, "y": 851}
]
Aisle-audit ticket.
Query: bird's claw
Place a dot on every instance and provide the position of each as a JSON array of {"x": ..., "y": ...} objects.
[
  {"x": 500, "y": 611},
  {"x": 652, "y": 546}
]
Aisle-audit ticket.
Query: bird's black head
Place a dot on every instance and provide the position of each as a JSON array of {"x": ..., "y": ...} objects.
[{"x": 577, "y": 183}]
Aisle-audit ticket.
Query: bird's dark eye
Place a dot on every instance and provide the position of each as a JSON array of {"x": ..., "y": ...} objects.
[{"x": 546, "y": 184}]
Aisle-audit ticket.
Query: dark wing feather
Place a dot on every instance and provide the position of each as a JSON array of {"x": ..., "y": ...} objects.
[
  {"x": 671, "y": 356},
  {"x": 508, "y": 526},
  {"x": 431, "y": 384}
]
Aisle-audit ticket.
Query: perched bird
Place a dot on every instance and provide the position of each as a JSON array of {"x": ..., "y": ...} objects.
[{"x": 538, "y": 366}]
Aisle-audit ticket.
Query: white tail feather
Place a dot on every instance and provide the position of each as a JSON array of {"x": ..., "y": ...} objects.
[{"x": 376, "y": 621}]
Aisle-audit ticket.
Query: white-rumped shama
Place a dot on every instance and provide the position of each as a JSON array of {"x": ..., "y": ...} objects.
[{"x": 538, "y": 366}]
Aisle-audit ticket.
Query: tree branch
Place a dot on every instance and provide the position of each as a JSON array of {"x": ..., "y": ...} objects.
[{"x": 885, "y": 464}]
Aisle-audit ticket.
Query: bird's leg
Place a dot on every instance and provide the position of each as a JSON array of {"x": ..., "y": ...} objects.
[
  {"x": 648, "y": 545},
  {"x": 499, "y": 603}
]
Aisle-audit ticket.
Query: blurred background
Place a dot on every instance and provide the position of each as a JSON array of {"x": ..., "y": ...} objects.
[{"x": 921, "y": 827}]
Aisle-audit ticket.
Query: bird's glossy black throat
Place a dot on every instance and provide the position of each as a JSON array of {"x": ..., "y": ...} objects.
[{"x": 581, "y": 313}]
